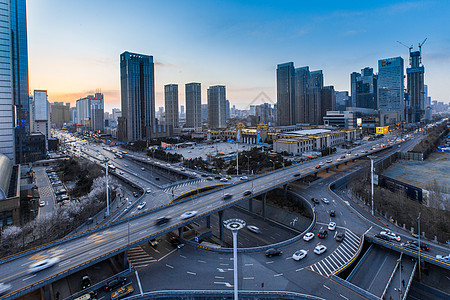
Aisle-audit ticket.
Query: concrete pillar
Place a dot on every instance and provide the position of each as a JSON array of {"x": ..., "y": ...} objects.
[
  {"x": 328, "y": 169},
  {"x": 264, "y": 205},
  {"x": 345, "y": 163},
  {"x": 125, "y": 261},
  {"x": 50, "y": 288},
  {"x": 284, "y": 190},
  {"x": 337, "y": 166},
  {"x": 221, "y": 225},
  {"x": 250, "y": 204},
  {"x": 208, "y": 222},
  {"x": 180, "y": 232}
]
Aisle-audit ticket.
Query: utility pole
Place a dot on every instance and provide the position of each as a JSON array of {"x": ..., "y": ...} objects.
[
  {"x": 235, "y": 225},
  {"x": 418, "y": 221},
  {"x": 371, "y": 157},
  {"x": 107, "y": 190}
]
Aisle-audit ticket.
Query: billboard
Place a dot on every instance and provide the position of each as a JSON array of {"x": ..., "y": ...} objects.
[
  {"x": 383, "y": 130},
  {"x": 359, "y": 121}
]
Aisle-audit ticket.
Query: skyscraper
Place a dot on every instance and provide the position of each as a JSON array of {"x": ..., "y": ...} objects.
[
  {"x": 193, "y": 93},
  {"x": 391, "y": 85},
  {"x": 328, "y": 99},
  {"x": 171, "y": 104},
  {"x": 217, "y": 106},
  {"x": 364, "y": 88},
  {"x": 90, "y": 112},
  {"x": 315, "y": 97},
  {"x": 302, "y": 79},
  {"x": 137, "y": 85},
  {"x": 286, "y": 94},
  {"x": 416, "y": 90},
  {"x": 342, "y": 100}
]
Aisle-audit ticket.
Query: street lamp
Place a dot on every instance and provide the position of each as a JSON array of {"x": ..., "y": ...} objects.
[
  {"x": 235, "y": 225},
  {"x": 107, "y": 189},
  {"x": 371, "y": 157},
  {"x": 418, "y": 221},
  {"x": 400, "y": 283},
  {"x": 248, "y": 164}
]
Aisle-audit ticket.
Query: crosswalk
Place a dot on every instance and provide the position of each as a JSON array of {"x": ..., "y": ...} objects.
[
  {"x": 340, "y": 257},
  {"x": 173, "y": 188},
  {"x": 139, "y": 258}
]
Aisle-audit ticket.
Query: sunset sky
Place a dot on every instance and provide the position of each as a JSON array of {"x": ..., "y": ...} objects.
[{"x": 74, "y": 46}]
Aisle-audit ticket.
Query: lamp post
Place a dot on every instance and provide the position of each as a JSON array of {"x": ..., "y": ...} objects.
[
  {"x": 248, "y": 164},
  {"x": 107, "y": 189},
  {"x": 371, "y": 157},
  {"x": 235, "y": 225},
  {"x": 400, "y": 283},
  {"x": 418, "y": 221}
]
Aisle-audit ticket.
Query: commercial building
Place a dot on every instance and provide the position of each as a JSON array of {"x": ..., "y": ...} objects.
[
  {"x": 90, "y": 112},
  {"x": 364, "y": 88},
  {"x": 59, "y": 114},
  {"x": 415, "y": 110},
  {"x": 137, "y": 86},
  {"x": 302, "y": 79},
  {"x": 171, "y": 104},
  {"x": 264, "y": 113},
  {"x": 390, "y": 91},
  {"x": 217, "y": 107},
  {"x": 286, "y": 94},
  {"x": 116, "y": 113},
  {"x": 9, "y": 192},
  {"x": 41, "y": 113},
  {"x": 343, "y": 100},
  {"x": 354, "y": 117},
  {"x": 193, "y": 93},
  {"x": 204, "y": 112}
]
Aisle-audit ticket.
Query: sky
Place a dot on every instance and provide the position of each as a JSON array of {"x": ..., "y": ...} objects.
[{"x": 74, "y": 46}]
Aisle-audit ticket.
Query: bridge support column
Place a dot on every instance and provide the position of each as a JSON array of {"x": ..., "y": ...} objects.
[
  {"x": 284, "y": 190},
  {"x": 345, "y": 163},
  {"x": 208, "y": 222},
  {"x": 221, "y": 225},
  {"x": 50, "y": 291},
  {"x": 264, "y": 206},
  {"x": 180, "y": 232},
  {"x": 315, "y": 174},
  {"x": 337, "y": 167},
  {"x": 250, "y": 204},
  {"x": 328, "y": 169},
  {"x": 125, "y": 261}
]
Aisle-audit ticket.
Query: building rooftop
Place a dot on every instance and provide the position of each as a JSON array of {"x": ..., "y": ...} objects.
[{"x": 309, "y": 132}]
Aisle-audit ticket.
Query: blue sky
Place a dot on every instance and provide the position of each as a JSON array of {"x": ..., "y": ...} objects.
[{"x": 74, "y": 46}]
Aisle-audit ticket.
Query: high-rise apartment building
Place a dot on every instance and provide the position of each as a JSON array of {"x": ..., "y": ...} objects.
[
  {"x": 286, "y": 94},
  {"x": 391, "y": 85},
  {"x": 41, "y": 112},
  {"x": 204, "y": 112},
  {"x": 90, "y": 112},
  {"x": 315, "y": 97},
  {"x": 264, "y": 113},
  {"x": 59, "y": 113},
  {"x": 116, "y": 113},
  {"x": 415, "y": 87},
  {"x": 217, "y": 107},
  {"x": 364, "y": 88},
  {"x": 171, "y": 104},
  {"x": 227, "y": 109},
  {"x": 193, "y": 93},
  {"x": 302, "y": 79},
  {"x": 137, "y": 86}
]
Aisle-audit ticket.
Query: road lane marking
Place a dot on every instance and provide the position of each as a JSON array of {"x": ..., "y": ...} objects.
[
  {"x": 248, "y": 265},
  {"x": 169, "y": 266},
  {"x": 326, "y": 287},
  {"x": 26, "y": 278},
  {"x": 201, "y": 261},
  {"x": 224, "y": 264},
  {"x": 224, "y": 283},
  {"x": 65, "y": 262},
  {"x": 192, "y": 273},
  {"x": 343, "y": 297},
  {"x": 299, "y": 269},
  {"x": 276, "y": 275},
  {"x": 269, "y": 262},
  {"x": 249, "y": 278},
  {"x": 219, "y": 277},
  {"x": 183, "y": 256}
]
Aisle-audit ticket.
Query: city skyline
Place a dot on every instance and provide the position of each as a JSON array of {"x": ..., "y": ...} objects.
[{"x": 213, "y": 49}]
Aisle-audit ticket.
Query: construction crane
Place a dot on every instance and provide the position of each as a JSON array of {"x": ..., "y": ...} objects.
[
  {"x": 410, "y": 48},
  {"x": 420, "y": 49}
]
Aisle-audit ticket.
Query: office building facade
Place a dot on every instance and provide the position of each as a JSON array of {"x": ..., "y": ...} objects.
[
  {"x": 302, "y": 79},
  {"x": 90, "y": 112},
  {"x": 217, "y": 107},
  {"x": 171, "y": 104},
  {"x": 364, "y": 88},
  {"x": 415, "y": 88},
  {"x": 342, "y": 100},
  {"x": 59, "y": 114},
  {"x": 390, "y": 87},
  {"x": 286, "y": 94},
  {"x": 193, "y": 94},
  {"x": 137, "y": 86}
]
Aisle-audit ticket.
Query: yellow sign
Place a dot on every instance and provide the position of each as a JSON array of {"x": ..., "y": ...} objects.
[{"x": 382, "y": 130}]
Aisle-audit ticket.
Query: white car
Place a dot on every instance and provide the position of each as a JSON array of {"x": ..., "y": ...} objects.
[
  {"x": 320, "y": 249},
  {"x": 309, "y": 236},
  {"x": 300, "y": 254},
  {"x": 4, "y": 287},
  {"x": 43, "y": 264},
  {"x": 243, "y": 178},
  {"x": 149, "y": 190},
  {"x": 253, "y": 228},
  {"x": 445, "y": 258},
  {"x": 142, "y": 205},
  {"x": 332, "y": 226},
  {"x": 143, "y": 169},
  {"x": 390, "y": 235},
  {"x": 325, "y": 200},
  {"x": 329, "y": 161},
  {"x": 42, "y": 203},
  {"x": 223, "y": 180},
  {"x": 188, "y": 214}
]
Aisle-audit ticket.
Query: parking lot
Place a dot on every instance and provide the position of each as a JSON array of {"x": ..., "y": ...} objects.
[{"x": 203, "y": 150}]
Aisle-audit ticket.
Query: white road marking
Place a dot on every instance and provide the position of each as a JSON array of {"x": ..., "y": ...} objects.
[
  {"x": 343, "y": 297},
  {"x": 249, "y": 278},
  {"x": 139, "y": 282},
  {"x": 368, "y": 230},
  {"x": 247, "y": 265},
  {"x": 269, "y": 262},
  {"x": 326, "y": 287},
  {"x": 169, "y": 266},
  {"x": 299, "y": 269},
  {"x": 225, "y": 283},
  {"x": 192, "y": 273},
  {"x": 345, "y": 222},
  {"x": 183, "y": 256},
  {"x": 221, "y": 270},
  {"x": 224, "y": 264},
  {"x": 276, "y": 275},
  {"x": 65, "y": 262},
  {"x": 219, "y": 277},
  {"x": 26, "y": 278},
  {"x": 201, "y": 261}
]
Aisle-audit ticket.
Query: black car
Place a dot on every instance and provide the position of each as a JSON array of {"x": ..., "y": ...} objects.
[
  {"x": 340, "y": 236},
  {"x": 114, "y": 283},
  {"x": 411, "y": 246},
  {"x": 175, "y": 241},
  {"x": 423, "y": 246},
  {"x": 297, "y": 175},
  {"x": 322, "y": 233},
  {"x": 135, "y": 194},
  {"x": 332, "y": 213},
  {"x": 273, "y": 252},
  {"x": 315, "y": 200},
  {"x": 156, "y": 178},
  {"x": 382, "y": 237},
  {"x": 162, "y": 220},
  {"x": 217, "y": 177},
  {"x": 227, "y": 196},
  {"x": 204, "y": 175},
  {"x": 85, "y": 282},
  {"x": 246, "y": 193}
]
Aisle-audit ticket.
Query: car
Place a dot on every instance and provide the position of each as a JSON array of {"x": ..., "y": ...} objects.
[
  {"x": 273, "y": 252},
  {"x": 332, "y": 226},
  {"x": 183, "y": 169},
  {"x": 156, "y": 178},
  {"x": 114, "y": 283},
  {"x": 332, "y": 213},
  {"x": 143, "y": 169},
  {"x": 317, "y": 167},
  {"x": 247, "y": 192},
  {"x": 382, "y": 237},
  {"x": 4, "y": 287},
  {"x": 85, "y": 282},
  {"x": 329, "y": 161},
  {"x": 209, "y": 178},
  {"x": 223, "y": 180},
  {"x": 243, "y": 178},
  {"x": 135, "y": 194},
  {"x": 203, "y": 175},
  {"x": 217, "y": 177},
  {"x": 153, "y": 242},
  {"x": 340, "y": 236},
  {"x": 253, "y": 228},
  {"x": 423, "y": 246},
  {"x": 299, "y": 255},
  {"x": 308, "y": 236},
  {"x": 322, "y": 233},
  {"x": 188, "y": 214},
  {"x": 319, "y": 249},
  {"x": 228, "y": 177},
  {"x": 176, "y": 242},
  {"x": 141, "y": 205},
  {"x": 410, "y": 246},
  {"x": 315, "y": 200},
  {"x": 122, "y": 291},
  {"x": 297, "y": 174},
  {"x": 43, "y": 264},
  {"x": 162, "y": 220},
  {"x": 325, "y": 200},
  {"x": 42, "y": 203},
  {"x": 445, "y": 258},
  {"x": 321, "y": 164},
  {"x": 390, "y": 235},
  {"x": 149, "y": 190},
  {"x": 227, "y": 196}
]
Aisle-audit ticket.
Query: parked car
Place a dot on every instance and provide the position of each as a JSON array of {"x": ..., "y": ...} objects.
[
  {"x": 319, "y": 249},
  {"x": 253, "y": 228},
  {"x": 308, "y": 236},
  {"x": 273, "y": 252},
  {"x": 299, "y": 255},
  {"x": 322, "y": 233},
  {"x": 340, "y": 236}
]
